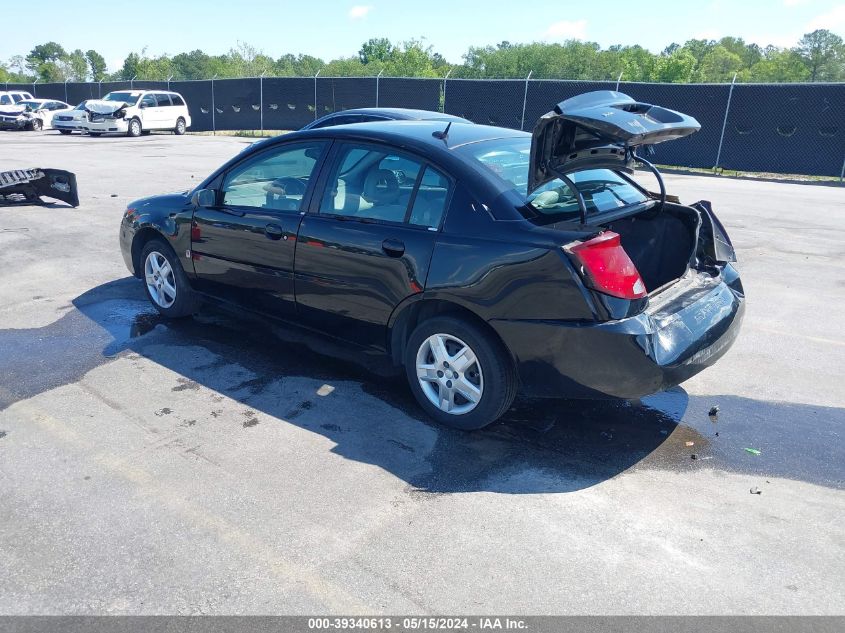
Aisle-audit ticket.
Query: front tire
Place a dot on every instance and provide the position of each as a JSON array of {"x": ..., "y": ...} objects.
[
  {"x": 165, "y": 282},
  {"x": 65, "y": 132},
  {"x": 36, "y": 125},
  {"x": 135, "y": 128},
  {"x": 461, "y": 376},
  {"x": 180, "y": 128}
]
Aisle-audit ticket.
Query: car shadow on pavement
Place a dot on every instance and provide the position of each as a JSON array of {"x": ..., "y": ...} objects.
[{"x": 357, "y": 401}]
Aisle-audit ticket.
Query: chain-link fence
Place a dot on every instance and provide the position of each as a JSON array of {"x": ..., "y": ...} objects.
[{"x": 779, "y": 128}]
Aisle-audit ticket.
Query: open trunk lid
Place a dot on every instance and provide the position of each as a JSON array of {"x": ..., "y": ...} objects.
[{"x": 598, "y": 130}]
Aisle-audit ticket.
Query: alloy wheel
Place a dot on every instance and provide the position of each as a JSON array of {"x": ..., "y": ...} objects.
[
  {"x": 449, "y": 374},
  {"x": 160, "y": 280}
]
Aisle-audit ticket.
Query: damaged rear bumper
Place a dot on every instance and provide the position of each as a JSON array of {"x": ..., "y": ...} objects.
[
  {"x": 628, "y": 358},
  {"x": 27, "y": 186}
]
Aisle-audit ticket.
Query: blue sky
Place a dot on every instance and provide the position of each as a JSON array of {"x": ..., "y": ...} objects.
[{"x": 333, "y": 28}]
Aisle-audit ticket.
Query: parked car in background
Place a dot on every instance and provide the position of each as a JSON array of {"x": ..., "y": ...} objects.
[
  {"x": 483, "y": 260},
  {"x": 137, "y": 112},
  {"x": 31, "y": 114},
  {"x": 367, "y": 115},
  {"x": 11, "y": 97},
  {"x": 71, "y": 120}
]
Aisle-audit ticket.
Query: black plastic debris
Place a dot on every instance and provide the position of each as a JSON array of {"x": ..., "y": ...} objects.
[
  {"x": 756, "y": 491},
  {"x": 27, "y": 186},
  {"x": 714, "y": 413}
]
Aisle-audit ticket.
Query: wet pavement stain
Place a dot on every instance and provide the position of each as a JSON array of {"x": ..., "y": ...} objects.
[
  {"x": 185, "y": 384},
  {"x": 538, "y": 446}
]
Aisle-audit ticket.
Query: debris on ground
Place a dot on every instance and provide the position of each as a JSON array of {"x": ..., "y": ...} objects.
[
  {"x": 753, "y": 451},
  {"x": 689, "y": 443},
  {"x": 756, "y": 491},
  {"x": 714, "y": 413},
  {"x": 693, "y": 456},
  {"x": 26, "y": 186}
]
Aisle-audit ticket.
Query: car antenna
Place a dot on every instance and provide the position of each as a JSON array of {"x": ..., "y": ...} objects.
[{"x": 444, "y": 135}]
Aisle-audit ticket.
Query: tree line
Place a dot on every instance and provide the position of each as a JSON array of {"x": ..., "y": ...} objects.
[{"x": 817, "y": 56}]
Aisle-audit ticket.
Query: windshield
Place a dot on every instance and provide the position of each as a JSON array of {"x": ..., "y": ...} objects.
[
  {"x": 126, "y": 97},
  {"x": 31, "y": 104},
  {"x": 508, "y": 158}
]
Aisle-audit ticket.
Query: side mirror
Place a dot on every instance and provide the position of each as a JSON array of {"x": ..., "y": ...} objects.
[{"x": 204, "y": 198}]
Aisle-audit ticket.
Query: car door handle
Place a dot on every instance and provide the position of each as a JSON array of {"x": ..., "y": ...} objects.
[
  {"x": 394, "y": 248},
  {"x": 273, "y": 231}
]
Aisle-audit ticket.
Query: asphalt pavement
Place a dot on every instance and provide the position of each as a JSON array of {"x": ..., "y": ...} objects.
[{"x": 226, "y": 465}]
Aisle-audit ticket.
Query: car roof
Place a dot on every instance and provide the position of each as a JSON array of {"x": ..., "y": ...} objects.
[
  {"x": 422, "y": 132},
  {"x": 401, "y": 113}
]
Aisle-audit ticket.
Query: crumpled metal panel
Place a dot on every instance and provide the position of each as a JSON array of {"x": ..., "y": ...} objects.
[{"x": 27, "y": 186}]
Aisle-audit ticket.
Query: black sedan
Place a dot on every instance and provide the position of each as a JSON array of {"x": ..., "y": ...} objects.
[
  {"x": 370, "y": 115},
  {"x": 483, "y": 260}
]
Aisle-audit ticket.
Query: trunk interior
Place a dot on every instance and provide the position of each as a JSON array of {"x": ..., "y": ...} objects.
[{"x": 661, "y": 244}]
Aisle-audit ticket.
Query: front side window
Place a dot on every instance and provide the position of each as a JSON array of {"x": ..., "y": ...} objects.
[
  {"x": 370, "y": 183},
  {"x": 508, "y": 159},
  {"x": 148, "y": 101},
  {"x": 162, "y": 100},
  {"x": 18, "y": 97},
  {"x": 276, "y": 179}
]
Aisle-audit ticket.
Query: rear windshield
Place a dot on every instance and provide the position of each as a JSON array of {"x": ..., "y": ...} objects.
[
  {"x": 126, "y": 97},
  {"x": 508, "y": 159}
]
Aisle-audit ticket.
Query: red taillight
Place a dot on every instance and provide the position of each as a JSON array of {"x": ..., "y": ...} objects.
[{"x": 606, "y": 266}]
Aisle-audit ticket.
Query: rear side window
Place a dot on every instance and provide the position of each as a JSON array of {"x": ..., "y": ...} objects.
[
  {"x": 177, "y": 100},
  {"x": 369, "y": 183},
  {"x": 5, "y": 100},
  {"x": 162, "y": 100}
]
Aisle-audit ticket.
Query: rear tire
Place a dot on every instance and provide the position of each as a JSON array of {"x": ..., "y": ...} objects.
[
  {"x": 95, "y": 134},
  {"x": 135, "y": 128},
  {"x": 180, "y": 128},
  {"x": 447, "y": 357},
  {"x": 165, "y": 282},
  {"x": 65, "y": 132}
]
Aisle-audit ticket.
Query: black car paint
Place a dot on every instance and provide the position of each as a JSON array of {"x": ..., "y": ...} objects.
[{"x": 486, "y": 261}]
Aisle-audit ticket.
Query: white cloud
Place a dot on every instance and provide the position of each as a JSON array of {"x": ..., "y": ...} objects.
[
  {"x": 833, "y": 20},
  {"x": 566, "y": 30},
  {"x": 360, "y": 11}
]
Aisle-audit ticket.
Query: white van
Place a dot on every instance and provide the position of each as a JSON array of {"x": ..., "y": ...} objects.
[
  {"x": 136, "y": 112},
  {"x": 11, "y": 97}
]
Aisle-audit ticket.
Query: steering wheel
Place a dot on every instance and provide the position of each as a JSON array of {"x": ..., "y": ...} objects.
[{"x": 287, "y": 186}]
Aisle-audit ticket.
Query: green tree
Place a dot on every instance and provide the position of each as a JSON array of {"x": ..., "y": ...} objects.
[
  {"x": 675, "y": 68},
  {"x": 44, "y": 61},
  {"x": 76, "y": 66},
  {"x": 377, "y": 49},
  {"x": 779, "y": 65},
  {"x": 823, "y": 54},
  {"x": 719, "y": 65},
  {"x": 96, "y": 65},
  {"x": 131, "y": 66}
]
